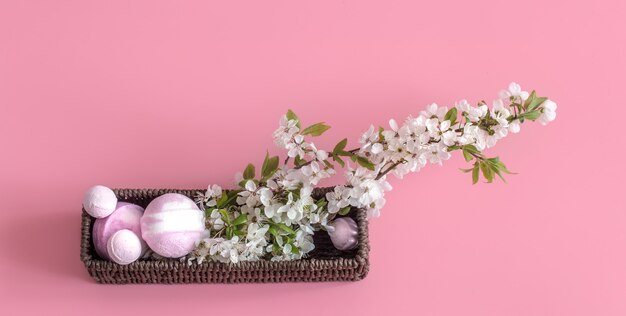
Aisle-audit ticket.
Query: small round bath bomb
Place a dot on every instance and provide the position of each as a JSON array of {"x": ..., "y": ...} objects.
[
  {"x": 172, "y": 224},
  {"x": 125, "y": 216},
  {"x": 344, "y": 237},
  {"x": 125, "y": 247},
  {"x": 99, "y": 201}
]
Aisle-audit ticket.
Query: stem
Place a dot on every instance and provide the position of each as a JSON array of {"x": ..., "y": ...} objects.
[
  {"x": 393, "y": 166},
  {"x": 478, "y": 157},
  {"x": 517, "y": 113},
  {"x": 304, "y": 164}
]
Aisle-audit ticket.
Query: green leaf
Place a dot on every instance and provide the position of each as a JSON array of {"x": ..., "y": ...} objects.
[
  {"x": 475, "y": 173},
  {"x": 328, "y": 164},
  {"x": 487, "y": 171},
  {"x": 285, "y": 228},
  {"x": 467, "y": 155},
  {"x": 321, "y": 202},
  {"x": 345, "y": 153},
  {"x": 498, "y": 167},
  {"x": 241, "y": 219},
  {"x": 232, "y": 195},
  {"x": 296, "y": 194},
  {"x": 364, "y": 162},
  {"x": 381, "y": 137},
  {"x": 265, "y": 162},
  {"x": 249, "y": 172},
  {"x": 221, "y": 202},
  {"x": 466, "y": 170},
  {"x": 295, "y": 250},
  {"x": 315, "y": 129},
  {"x": 533, "y": 101},
  {"x": 339, "y": 160},
  {"x": 499, "y": 173},
  {"x": 531, "y": 115},
  {"x": 273, "y": 165},
  {"x": 225, "y": 216},
  {"x": 471, "y": 149},
  {"x": 503, "y": 168},
  {"x": 292, "y": 116},
  {"x": 344, "y": 211},
  {"x": 299, "y": 161},
  {"x": 270, "y": 165},
  {"x": 340, "y": 146},
  {"x": 451, "y": 116},
  {"x": 272, "y": 231},
  {"x": 537, "y": 102}
]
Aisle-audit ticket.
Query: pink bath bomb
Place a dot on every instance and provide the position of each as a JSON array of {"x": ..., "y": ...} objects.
[
  {"x": 345, "y": 234},
  {"x": 99, "y": 201},
  {"x": 172, "y": 224},
  {"x": 125, "y": 247},
  {"x": 125, "y": 216}
]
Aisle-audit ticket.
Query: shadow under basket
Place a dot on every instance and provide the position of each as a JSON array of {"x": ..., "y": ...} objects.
[{"x": 324, "y": 263}]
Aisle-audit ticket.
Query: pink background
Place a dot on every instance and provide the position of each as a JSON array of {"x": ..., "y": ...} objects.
[{"x": 152, "y": 94}]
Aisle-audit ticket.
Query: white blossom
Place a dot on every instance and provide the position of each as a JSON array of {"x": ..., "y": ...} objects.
[
  {"x": 515, "y": 126},
  {"x": 256, "y": 241},
  {"x": 514, "y": 90},
  {"x": 313, "y": 173},
  {"x": 549, "y": 112},
  {"x": 209, "y": 198},
  {"x": 318, "y": 154},
  {"x": 215, "y": 220},
  {"x": 368, "y": 138},
  {"x": 338, "y": 199},
  {"x": 285, "y": 133},
  {"x": 249, "y": 196},
  {"x": 253, "y": 214},
  {"x": 297, "y": 147},
  {"x": 437, "y": 153},
  {"x": 434, "y": 111},
  {"x": 217, "y": 249}
]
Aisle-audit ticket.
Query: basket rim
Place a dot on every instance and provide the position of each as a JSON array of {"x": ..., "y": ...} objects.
[{"x": 361, "y": 257}]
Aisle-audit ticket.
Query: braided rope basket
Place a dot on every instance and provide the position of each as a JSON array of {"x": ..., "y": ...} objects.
[{"x": 324, "y": 263}]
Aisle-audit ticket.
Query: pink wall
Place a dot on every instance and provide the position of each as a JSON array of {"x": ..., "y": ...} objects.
[{"x": 168, "y": 94}]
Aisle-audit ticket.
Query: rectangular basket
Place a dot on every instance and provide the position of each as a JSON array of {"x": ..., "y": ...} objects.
[{"x": 324, "y": 263}]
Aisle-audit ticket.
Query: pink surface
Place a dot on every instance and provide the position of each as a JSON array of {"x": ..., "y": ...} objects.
[{"x": 170, "y": 94}]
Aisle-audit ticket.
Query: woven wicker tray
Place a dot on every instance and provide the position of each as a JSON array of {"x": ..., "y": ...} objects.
[{"x": 325, "y": 263}]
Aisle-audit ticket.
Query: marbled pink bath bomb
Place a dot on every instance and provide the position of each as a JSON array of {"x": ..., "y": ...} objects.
[
  {"x": 345, "y": 235},
  {"x": 172, "y": 224},
  {"x": 125, "y": 216}
]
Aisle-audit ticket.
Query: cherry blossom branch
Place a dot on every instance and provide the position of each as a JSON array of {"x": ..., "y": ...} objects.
[{"x": 273, "y": 215}]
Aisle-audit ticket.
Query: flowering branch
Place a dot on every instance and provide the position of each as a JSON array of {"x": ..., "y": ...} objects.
[{"x": 273, "y": 215}]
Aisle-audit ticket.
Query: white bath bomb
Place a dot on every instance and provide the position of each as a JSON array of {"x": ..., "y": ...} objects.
[
  {"x": 99, "y": 201},
  {"x": 125, "y": 247},
  {"x": 172, "y": 224}
]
